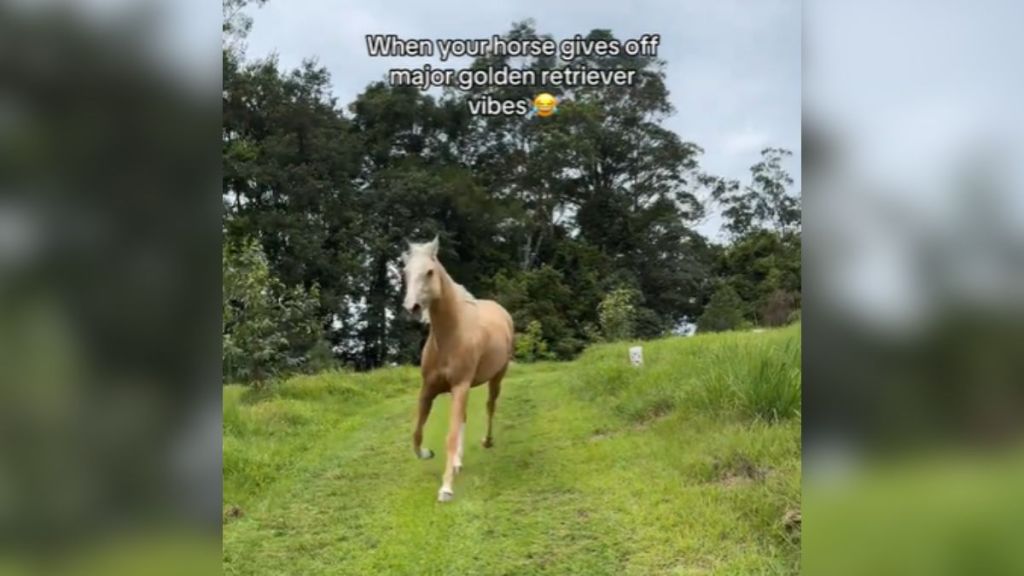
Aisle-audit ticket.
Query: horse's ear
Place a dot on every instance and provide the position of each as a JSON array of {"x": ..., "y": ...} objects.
[{"x": 433, "y": 246}]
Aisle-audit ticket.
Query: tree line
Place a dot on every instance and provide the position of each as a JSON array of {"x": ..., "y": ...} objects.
[{"x": 581, "y": 224}]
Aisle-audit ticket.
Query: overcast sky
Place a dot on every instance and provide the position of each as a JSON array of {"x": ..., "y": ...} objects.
[{"x": 733, "y": 68}]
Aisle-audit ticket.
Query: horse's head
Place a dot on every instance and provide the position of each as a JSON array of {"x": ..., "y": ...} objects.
[{"x": 422, "y": 277}]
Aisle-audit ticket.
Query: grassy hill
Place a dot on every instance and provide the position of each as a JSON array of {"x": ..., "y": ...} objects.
[{"x": 688, "y": 465}]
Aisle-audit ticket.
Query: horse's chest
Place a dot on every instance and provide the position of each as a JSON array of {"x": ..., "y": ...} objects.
[
  {"x": 454, "y": 364},
  {"x": 457, "y": 368}
]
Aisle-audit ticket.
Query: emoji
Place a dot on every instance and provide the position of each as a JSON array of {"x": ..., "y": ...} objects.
[{"x": 545, "y": 104}]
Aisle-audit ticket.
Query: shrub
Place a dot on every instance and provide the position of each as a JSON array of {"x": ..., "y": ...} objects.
[
  {"x": 648, "y": 324},
  {"x": 530, "y": 345},
  {"x": 267, "y": 328},
  {"x": 777, "y": 308},
  {"x": 617, "y": 314},
  {"x": 321, "y": 357},
  {"x": 723, "y": 312}
]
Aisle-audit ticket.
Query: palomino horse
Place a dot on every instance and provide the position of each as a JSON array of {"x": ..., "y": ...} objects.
[{"x": 470, "y": 343}]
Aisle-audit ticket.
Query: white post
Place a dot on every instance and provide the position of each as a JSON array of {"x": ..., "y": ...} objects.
[{"x": 636, "y": 356}]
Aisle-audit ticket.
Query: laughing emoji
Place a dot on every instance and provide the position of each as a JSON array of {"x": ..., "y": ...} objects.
[{"x": 545, "y": 104}]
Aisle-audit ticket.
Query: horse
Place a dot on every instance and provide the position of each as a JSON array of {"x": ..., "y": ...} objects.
[{"x": 470, "y": 342}]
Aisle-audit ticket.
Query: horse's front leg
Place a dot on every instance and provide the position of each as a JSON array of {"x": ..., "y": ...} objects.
[
  {"x": 426, "y": 402},
  {"x": 460, "y": 394}
]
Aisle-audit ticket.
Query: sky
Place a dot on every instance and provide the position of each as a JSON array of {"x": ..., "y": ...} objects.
[
  {"x": 733, "y": 68},
  {"x": 913, "y": 97}
]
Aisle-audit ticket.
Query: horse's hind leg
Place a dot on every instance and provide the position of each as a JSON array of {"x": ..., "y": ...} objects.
[{"x": 493, "y": 389}]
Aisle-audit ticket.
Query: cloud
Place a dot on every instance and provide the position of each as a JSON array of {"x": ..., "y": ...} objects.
[{"x": 745, "y": 142}]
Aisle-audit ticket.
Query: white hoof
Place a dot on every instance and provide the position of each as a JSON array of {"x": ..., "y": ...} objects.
[
  {"x": 426, "y": 454},
  {"x": 445, "y": 495}
]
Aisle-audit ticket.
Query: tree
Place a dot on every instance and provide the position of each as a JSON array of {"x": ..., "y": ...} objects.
[
  {"x": 289, "y": 162},
  {"x": 765, "y": 203},
  {"x": 530, "y": 345},
  {"x": 778, "y": 308},
  {"x": 603, "y": 172},
  {"x": 267, "y": 328},
  {"x": 762, "y": 263},
  {"x": 547, "y": 216},
  {"x": 618, "y": 314},
  {"x": 725, "y": 311},
  {"x": 236, "y": 24},
  {"x": 541, "y": 295}
]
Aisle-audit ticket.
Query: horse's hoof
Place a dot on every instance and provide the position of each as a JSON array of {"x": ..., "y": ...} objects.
[
  {"x": 488, "y": 442},
  {"x": 426, "y": 454},
  {"x": 444, "y": 495}
]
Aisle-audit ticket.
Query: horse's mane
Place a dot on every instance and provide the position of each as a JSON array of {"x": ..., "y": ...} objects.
[{"x": 466, "y": 297}]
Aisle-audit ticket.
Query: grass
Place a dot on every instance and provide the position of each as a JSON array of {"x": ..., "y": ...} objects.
[{"x": 687, "y": 465}]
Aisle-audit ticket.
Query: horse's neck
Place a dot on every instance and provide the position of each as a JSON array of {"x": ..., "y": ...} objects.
[{"x": 447, "y": 317}]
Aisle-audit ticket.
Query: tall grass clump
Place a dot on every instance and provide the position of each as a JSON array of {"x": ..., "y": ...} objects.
[
  {"x": 758, "y": 380},
  {"x": 637, "y": 394}
]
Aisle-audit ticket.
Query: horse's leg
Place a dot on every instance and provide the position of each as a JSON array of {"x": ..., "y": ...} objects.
[
  {"x": 460, "y": 394},
  {"x": 493, "y": 390},
  {"x": 462, "y": 433},
  {"x": 427, "y": 395}
]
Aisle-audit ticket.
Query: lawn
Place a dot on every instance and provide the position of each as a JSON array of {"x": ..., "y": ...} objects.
[{"x": 687, "y": 465}]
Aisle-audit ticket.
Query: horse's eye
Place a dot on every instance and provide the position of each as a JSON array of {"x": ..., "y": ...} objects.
[{"x": 430, "y": 273}]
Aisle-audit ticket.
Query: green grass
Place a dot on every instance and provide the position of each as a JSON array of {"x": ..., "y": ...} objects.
[{"x": 687, "y": 465}]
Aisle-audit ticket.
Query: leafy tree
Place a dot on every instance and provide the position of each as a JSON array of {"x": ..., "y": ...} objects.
[
  {"x": 267, "y": 328},
  {"x": 778, "y": 308},
  {"x": 548, "y": 216},
  {"x": 766, "y": 202},
  {"x": 760, "y": 264},
  {"x": 725, "y": 311},
  {"x": 618, "y": 314},
  {"x": 289, "y": 162},
  {"x": 540, "y": 295},
  {"x": 530, "y": 345},
  {"x": 236, "y": 23}
]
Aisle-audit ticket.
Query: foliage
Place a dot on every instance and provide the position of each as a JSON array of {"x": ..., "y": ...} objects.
[
  {"x": 725, "y": 311},
  {"x": 779, "y": 306},
  {"x": 766, "y": 202},
  {"x": 540, "y": 296},
  {"x": 547, "y": 217},
  {"x": 764, "y": 270},
  {"x": 267, "y": 328},
  {"x": 618, "y": 314},
  {"x": 762, "y": 263},
  {"x": 236, "y": 23},
  {"x": 530, "y": 345}
]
